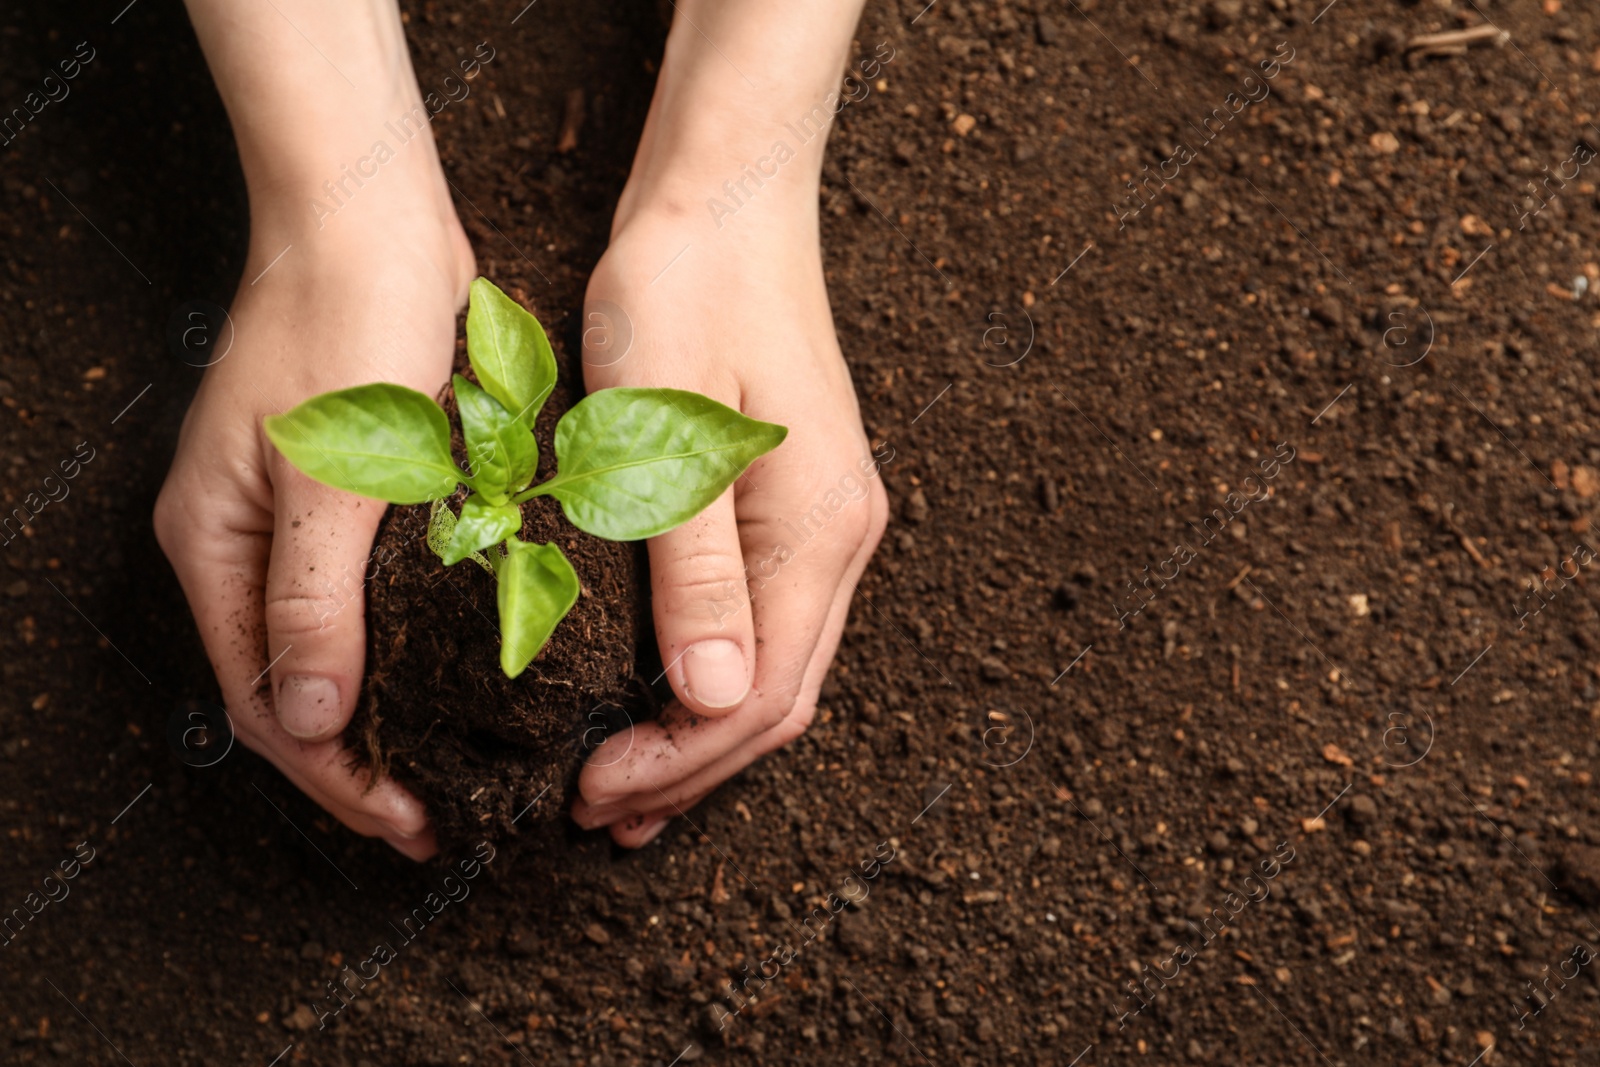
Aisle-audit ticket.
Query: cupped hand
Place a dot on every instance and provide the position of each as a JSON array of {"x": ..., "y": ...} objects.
[
  {"x": 273, "y": 563},
  {"x": 750, "y": 597}
]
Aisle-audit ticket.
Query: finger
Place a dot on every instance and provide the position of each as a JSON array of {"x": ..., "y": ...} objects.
[
  {"x": 598, "y": 816},
  {"x": 679, "y": 742},
  {"x": 647, "y": 832},
  {"x": 702, "y": 609},
  {"x": 423, "y": 848},
  {"x": 636, "y": 831},
  {"x": 640, "y": 830},
  {"x": 639, "y": 817},
  {"x": 790, "y": 615},
  {"x": 315, "y": 608},
  {"x": 321, "y": 771},
  {"x": 697, "y": 783},
  {"x": 220, "y": 560}
]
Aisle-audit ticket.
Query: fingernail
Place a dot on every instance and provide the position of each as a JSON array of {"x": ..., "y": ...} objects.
[
  {"x": 714, "y": 673},
  {"x": 650, "y": 830},
  {"x": 410, "y": 848},
  {"x": 308, "y": 705},
  {"x": 594, "y": 816}
]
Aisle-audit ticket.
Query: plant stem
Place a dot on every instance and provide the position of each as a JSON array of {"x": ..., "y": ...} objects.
[{"x": 542, "y": 489}]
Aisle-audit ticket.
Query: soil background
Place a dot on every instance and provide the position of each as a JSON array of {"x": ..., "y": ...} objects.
[{"x": 1345, "y": 674}]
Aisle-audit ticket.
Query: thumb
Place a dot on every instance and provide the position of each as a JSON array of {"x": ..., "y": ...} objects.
[
  {"x": 702, "y": 609},
  {"x": 315, "y": 602}
]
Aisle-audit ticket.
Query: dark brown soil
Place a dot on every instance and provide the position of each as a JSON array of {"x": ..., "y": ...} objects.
[{"x": 1345, "y": 671}]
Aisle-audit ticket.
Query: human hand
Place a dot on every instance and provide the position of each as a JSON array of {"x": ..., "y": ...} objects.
[
  {"x": 272, "y": 563},
  {"x": 751, "y": 596}
]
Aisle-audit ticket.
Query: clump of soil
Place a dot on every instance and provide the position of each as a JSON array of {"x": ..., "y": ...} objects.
[{"x": 485, "y": 752}]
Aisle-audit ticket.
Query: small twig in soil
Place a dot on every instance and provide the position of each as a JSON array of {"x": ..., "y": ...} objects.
[
  {"x": 1448, "y": 519},
  {"x": 571, "y": 123},
  {"x": 1455, "y": 42}
]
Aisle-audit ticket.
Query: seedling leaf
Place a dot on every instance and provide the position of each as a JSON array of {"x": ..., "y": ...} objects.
[
  {"x": 509, "y": 352},
  {"x": 441, "y": 527},
  {"x": 537, "y": 589},
  {"x": 501, "y": 451},
  {"x": 482, "y": 524},
  {"x": 381, "y": 440},
  {"x": 634, "y": 463}
]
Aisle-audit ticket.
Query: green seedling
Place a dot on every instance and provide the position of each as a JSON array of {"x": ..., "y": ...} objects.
[{"x": 630, "y": 463}]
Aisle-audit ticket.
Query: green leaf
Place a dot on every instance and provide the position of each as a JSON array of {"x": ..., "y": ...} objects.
[
  {"x": 537, "y": 589},
  {"x": 501, "y": 451},
  {"x": 509, "y": 352},
  {"x": 441, "y": 528},
  {"x": 381, "y": 440},
  {"x": 482, "y": 524},
  {"x": 633, "y": 463}
]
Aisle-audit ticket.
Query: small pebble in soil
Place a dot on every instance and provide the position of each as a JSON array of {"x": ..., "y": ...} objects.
[
  {"x": 674, "y": 974},
  {"x": 1579, "y": 869},
  {"x": 302, "y": 1018},
  {"x": 1363, "y": 809},
  {"x": 1221, "y": 14},
  {"x": 917, "y": 506}
]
